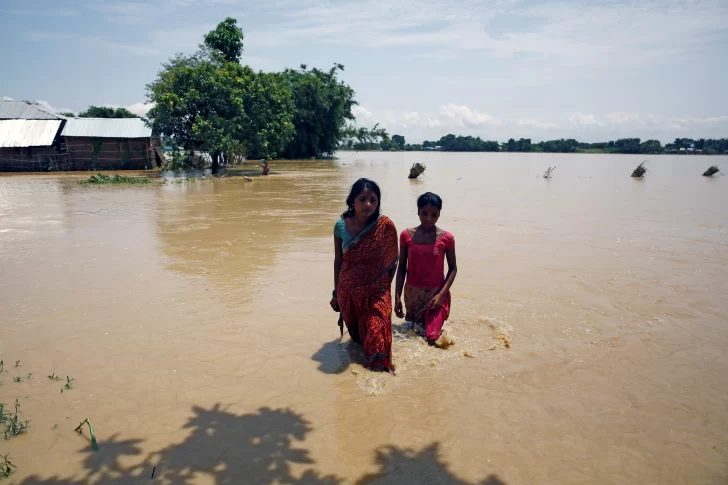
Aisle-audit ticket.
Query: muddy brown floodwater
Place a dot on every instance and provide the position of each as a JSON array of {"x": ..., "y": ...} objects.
[{"x": 194, "y": 321}]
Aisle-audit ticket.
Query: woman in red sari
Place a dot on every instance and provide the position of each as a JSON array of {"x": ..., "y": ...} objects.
[{"x": 365, "y": 244}]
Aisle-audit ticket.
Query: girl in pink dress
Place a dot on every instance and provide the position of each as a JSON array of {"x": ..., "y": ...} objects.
[{"x": 423, "y": 250}]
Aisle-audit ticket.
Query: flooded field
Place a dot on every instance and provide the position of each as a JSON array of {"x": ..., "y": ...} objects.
[{"x": 194, "y": 321}]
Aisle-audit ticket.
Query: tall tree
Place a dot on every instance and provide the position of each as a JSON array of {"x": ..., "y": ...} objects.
[
  {"x": 227, "y": 39},
  {"x": 321, "y": 108},
  {"x": 209, "y": 102},
  {"x": 651, "y": 146},
  {"x": 399, "y": 141}
]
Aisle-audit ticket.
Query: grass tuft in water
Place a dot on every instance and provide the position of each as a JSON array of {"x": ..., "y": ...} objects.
[
  {"x": 100, "y": 179},
  {"x": 54, "y": 377},
  {"x": 68, "y": 385},
  {"x": 13, "y": 424},
  {"x": 6, "y": 466}
]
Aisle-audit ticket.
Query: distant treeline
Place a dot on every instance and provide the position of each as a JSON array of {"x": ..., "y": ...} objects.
[{"x": 454, "y": 143}]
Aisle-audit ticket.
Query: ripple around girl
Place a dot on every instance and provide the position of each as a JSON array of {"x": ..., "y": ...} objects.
[{"x": 365, "y": 244}]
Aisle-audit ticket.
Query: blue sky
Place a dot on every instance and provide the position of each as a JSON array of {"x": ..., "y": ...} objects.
[{"x": 589, "y": 70}]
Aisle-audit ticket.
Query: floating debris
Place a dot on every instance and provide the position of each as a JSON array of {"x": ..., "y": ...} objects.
[
  {"x": 417, "y": 170},
  {"x": 712, "y": 171},
  {"x": 547, "y": 173},
  {"x": 639, "y": 171}
]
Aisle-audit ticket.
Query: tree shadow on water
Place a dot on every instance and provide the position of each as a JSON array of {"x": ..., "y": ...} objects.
[
  {"x": 257, "y": 448},
  {"x": 402, "y": 465}
]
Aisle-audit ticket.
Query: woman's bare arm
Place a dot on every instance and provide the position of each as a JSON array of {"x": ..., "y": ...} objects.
[{"x": 338, "y": 259}]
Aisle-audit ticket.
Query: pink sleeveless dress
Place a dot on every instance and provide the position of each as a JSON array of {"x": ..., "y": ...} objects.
[{"x": 425, "y": 277}]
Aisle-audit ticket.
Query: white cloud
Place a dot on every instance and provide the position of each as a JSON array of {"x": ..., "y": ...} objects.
[
  {"x": 7, "y": 98},
  {"x": 47, "y": 106},
  {"x": 557, "y": 35},
  {"x": 363, "y": 116},
  {"x": 463, "y": 120},
  {"x": 621, "y": 117},
  {"x": 92, "y": 41},
  {"x": 47, "y": 12},
  {"x": 582, "y": 119},
  {"x": 465, "y": 116},
  {"x": 535, "y": 124},
  {"x": 139, "y": 109}
]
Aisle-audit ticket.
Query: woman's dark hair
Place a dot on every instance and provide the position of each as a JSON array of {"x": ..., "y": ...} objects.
[
  {"x": 356, "y": 189},
  {"x": 428, "y": 198}
]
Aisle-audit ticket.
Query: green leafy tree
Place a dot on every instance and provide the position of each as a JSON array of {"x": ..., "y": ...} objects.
[
  {"x": 399, "y": 141},
  {"x": 68, "y": 114},
  {"x": 321, "y": 109},
  {"x": 105, "y": 112},
  {"x": 227, "y": 39},
  {"x": 210, "y": 103},
  {"x": 651, "y": 146},
  {"x": 524, "y": 145},
  {"x": 466, "y": 144}
]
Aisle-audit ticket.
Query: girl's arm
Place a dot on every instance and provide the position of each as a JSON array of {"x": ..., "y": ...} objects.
[
  {"x": 401, "y": 274},
  {"x": 338, "y": 259},
  {"x": 452, "y": 271}
]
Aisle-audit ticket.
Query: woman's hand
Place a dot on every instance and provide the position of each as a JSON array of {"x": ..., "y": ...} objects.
[
  {"x": 398, "y": 308},
  {"x": 335, "y": 305},
  {"x": 437, "y": 301}
]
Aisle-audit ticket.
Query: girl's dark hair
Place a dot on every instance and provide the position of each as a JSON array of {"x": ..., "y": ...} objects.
[
  {"x": 428, "y": 198},
  {"x": 356, "y": 189}
]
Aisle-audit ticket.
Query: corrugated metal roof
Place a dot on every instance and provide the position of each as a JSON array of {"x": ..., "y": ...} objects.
[
  {"x": 28, "y": 133},
  {"x": 24, "y": 110},
  {"x": 107, "y": 128}
]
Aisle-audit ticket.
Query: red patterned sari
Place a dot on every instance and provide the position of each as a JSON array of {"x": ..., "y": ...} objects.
[{"x": 365, "y": 290}]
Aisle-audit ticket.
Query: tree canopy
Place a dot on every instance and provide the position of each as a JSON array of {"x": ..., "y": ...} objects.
[
  {"x": 209, "y": 102},
  {"x": 227, "y": 39},
  {"x": 106, "y": 112},
  {"x": 476, "y": 144},
  {"x": 321, "y": 107}
]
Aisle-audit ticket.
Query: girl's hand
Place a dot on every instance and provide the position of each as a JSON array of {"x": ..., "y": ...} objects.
[
  {"x": 398, "y": 309},
  {"x": 335, "y": 305},
  {"x": 437, "y": 301}
]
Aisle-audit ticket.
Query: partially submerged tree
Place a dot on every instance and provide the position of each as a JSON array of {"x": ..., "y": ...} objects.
[
  {"x": 639, "y": 171},
  {"x": 211, "y": 103},
  {"x": 321, "y": 107},
  {"x": 711, "y": 171},
  {"x": 416, "y": 170}
]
